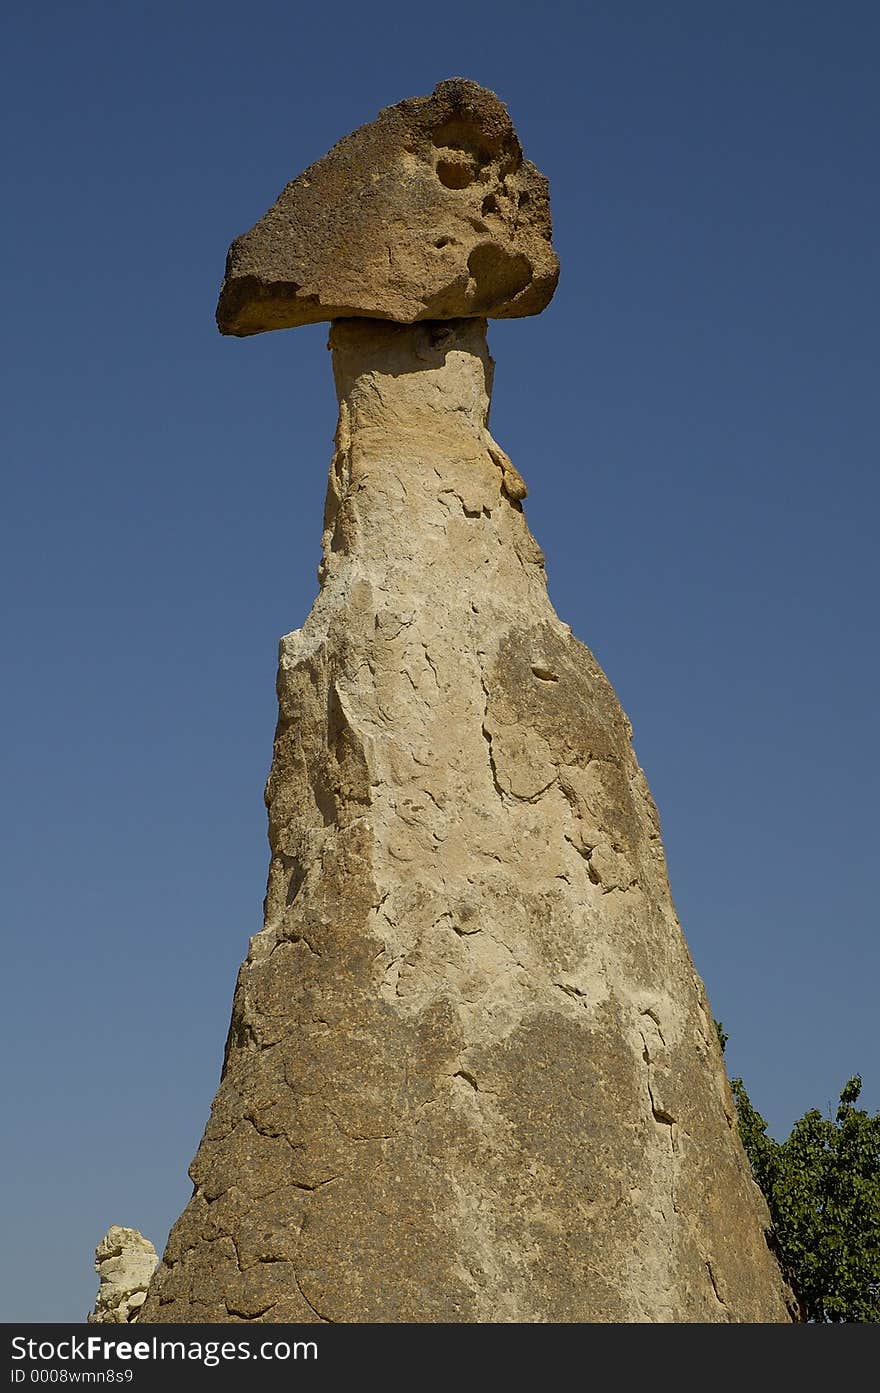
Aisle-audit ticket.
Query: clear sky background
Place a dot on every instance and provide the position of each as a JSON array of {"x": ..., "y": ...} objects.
[{"x": 697, "y": 417}]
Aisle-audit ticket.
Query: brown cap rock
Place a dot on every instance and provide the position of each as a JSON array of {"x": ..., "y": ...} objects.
[{"x": 429, "y": 212}]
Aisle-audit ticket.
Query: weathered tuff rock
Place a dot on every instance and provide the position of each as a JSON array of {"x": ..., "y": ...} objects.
[
  {"x": 429, "y": 212},
  {"x": 125, "y": 1262},
  {"x": 471, "y": 1073}
]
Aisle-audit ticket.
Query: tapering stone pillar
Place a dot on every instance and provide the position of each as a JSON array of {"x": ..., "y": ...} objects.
[{"x": 471, "y": 1073}]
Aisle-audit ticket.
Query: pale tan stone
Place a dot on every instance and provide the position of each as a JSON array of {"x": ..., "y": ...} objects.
[
  {"x": 471, "y": 1073},
  {"x": 125, "y": 1262}
]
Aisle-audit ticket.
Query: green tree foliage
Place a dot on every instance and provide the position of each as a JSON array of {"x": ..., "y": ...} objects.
[{"x": 822, "y": 1187}]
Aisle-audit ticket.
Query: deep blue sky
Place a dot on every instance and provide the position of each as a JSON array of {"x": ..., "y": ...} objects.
[{"x": 696, "y": 414}]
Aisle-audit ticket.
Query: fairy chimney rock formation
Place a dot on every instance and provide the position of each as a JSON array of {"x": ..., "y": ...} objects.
[{"x": 471, "y": 1073}]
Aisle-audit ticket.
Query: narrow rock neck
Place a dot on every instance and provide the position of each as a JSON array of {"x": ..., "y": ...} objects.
[
  {"x": 398, "y": 377},
  {"x": 413, "y": 440}
]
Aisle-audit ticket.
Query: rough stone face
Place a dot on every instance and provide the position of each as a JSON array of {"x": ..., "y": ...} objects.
[
  {"x": 125, "y": 1262},
  {"x": 429, "y": 212},
  {"x": 471, "y": 1073}
]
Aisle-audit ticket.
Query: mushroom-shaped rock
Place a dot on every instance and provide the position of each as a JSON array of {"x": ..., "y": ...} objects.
[{"x": 429, "y": 212}]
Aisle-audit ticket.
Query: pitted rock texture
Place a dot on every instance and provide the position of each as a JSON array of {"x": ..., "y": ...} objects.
[
  {"x": 429, "y": 212},
  {"x": 125, "y": 1262},
  {"x": 471, "y": 1074}
]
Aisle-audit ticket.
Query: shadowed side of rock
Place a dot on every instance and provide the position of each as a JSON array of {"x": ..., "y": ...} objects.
[{"x": 471, "y": 1073}]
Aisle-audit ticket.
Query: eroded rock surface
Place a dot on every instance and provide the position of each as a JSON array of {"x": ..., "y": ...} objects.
[
  {"x": 471, "y": 1073},
  {"x": 125, "y": 1262},
  {"x": 429, "y": 212}
]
